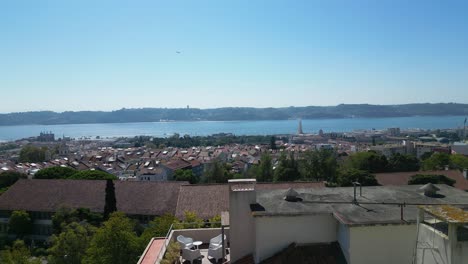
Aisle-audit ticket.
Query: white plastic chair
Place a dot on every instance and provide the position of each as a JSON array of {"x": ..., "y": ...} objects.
[
  {"x": 191, "y": 254},
  {"x": 217, "y": 241},
  {"x": 185, "y": 242},
  {"x": 215, "y": 252}
]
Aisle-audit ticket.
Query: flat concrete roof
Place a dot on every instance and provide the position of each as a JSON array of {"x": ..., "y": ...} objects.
[{"x": 377, "y": 205}]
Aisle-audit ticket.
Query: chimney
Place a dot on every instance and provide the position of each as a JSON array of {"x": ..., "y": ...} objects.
[
  {"x": 242, "y": 226},
  {"x": 360, "y": 191}
]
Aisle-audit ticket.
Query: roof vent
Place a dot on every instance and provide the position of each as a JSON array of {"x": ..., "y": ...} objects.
[
  {"x": 292, "y": 196},
  {"x": 430, "y": 190}
]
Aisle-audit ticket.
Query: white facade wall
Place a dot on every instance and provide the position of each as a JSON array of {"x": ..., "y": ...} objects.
[
  {"x": 153, "y": 177},
  {"x": 273, "y": 234},
  {"x": 383, "y": 244},
  {"x": 421, "y": 150},
  {"x": 344, "y": 240},
  {"x": 434, "y": 246},
  {"x": 242, "y": 225}
]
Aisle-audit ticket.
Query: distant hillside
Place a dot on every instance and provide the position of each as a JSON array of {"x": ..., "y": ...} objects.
[{"x": 232, "y": 113}]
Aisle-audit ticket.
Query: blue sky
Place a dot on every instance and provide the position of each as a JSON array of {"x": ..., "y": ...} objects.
[{"x": 105, "y": 55}]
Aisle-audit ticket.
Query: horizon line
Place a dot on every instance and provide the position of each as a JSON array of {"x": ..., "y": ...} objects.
[{"x": 223, "y": 107}]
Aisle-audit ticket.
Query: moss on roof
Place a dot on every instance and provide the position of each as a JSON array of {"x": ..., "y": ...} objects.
[{"x": 448, "y": 213}]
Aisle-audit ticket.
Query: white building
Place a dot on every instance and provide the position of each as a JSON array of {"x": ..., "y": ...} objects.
[
  {"x": 390, "y": 150},
  {"x": 377, "y": 224},
  {"x": 460, "y": 148},
  {"x": 379, "y": 227}
]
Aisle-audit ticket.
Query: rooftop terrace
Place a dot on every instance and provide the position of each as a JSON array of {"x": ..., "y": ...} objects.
[{"x": 377, "y": 205}]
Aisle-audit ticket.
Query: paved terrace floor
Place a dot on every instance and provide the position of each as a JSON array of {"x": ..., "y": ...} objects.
[{"x": 206, "y": 260}]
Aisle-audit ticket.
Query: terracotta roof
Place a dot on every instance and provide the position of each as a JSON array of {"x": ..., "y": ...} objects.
[
  {"x": 147, "y": 198},
  {"x": 50, "y": 195},
  {"x": 209, "y": 200},
  {"x": 177, "y": 164},
  {"x": 144, "y": 198},
  {"x": 401, "y": 178},
  {"x": 195, "y": 163},
  {"x": 206, "y": 200}
]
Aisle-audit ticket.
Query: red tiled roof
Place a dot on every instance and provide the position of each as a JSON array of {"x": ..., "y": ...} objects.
[
  {"x": 401, "y": 178},
  {"x": 177, "y": 164},
  {"x": 147, "y": 198},
  {"x": 50, "y": 195},
  {"x": 140, "y": 198}
]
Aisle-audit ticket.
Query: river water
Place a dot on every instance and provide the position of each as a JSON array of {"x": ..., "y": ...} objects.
[{"x": 201, "y": 128}]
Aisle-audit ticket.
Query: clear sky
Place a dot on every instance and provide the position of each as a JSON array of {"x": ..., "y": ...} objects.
[{"x": 105, "y": 55}]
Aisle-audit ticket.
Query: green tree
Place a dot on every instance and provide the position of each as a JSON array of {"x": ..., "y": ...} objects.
[
  {"x": 273, "y": 142},
  {"x": 18, "y": 253},
  {"x": 319, "y": 165},
  {"x": 7, "y": 146},
  {"x": 436, "y": 161},
  {"x": 251, "y": 173},
  {"x": 458, "y": 161},
  {"x": 30, "y": 153},
  {"x": 65, "y": 216},
  {"x": 426, "y": 155},
  {"x": 70, "y": 246},
  {"x": 434, "y": 179},
  {"x": 265, "y": 169},
  {"x": 287, "y": 169},
  {"x": 216, "y": 173},
  {"x": 185, "y": 175},
  {"x": 92, "y": 175},
  {"x": 157, "y": 228},
  {"x": 110, "y": 205},
  {"x": 399, "y": 162},
  {"x": 8, "y": 178},
  {"x": 346, "y": 177},
  {"x": 369, "y": 161},
  {"x": 215, "y": 221},
  {"x": 172, "y": 253},
  {"x": 114, "y": 243},
  {"x": 190, "y": 220},
  {"x": 20, "y": 223},
  {"x": 55, "y": 173}
]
